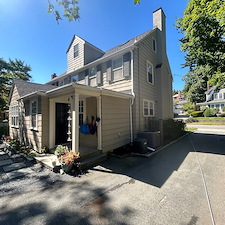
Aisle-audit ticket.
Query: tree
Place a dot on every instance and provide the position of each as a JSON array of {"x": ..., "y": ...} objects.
[
  {"x": 203, "y": 26},
  {"x": 70, "y": 7},
  {"x": 14, "y": 69}
]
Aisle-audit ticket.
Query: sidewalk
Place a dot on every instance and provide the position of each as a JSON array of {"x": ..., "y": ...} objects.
[{"x": 214, "y": 129}]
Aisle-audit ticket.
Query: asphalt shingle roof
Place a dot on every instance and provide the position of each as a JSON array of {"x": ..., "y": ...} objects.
[{"x": 25, "y": 88}]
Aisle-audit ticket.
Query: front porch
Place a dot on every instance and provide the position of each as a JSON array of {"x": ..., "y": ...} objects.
[{"x": 67, "y": 112}]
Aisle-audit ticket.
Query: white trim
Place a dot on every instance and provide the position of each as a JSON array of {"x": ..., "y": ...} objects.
[
  {"x": 84, "y": 109},
  {"x": 118, "y": 68},
  {"x": 148, "y": 63},
  {"x": 14, "y": 114},
  {"x": 149, "y": 102}
]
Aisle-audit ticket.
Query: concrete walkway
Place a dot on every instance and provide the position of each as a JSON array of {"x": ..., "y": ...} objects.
[
  {"x": 11, "y": 166},
  {"x": 214, "y": 129}
]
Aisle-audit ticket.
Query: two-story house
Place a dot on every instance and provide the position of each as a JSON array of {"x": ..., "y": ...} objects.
[
  {"x": 214, "y": 98},
  {"x": 115, "y": 92}
]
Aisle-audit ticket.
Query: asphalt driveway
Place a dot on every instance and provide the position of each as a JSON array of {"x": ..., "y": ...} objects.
[{"x": 183, "y": 184}]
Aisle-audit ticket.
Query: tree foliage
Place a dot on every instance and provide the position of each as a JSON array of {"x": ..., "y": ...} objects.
[
  {"x": 70, "y": 9},
  {"x": 14, "y": 69},
  {"x": 203, "y": 27}
]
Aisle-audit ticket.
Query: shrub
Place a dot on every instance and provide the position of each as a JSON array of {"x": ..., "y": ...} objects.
[
  {"x": 190, "y": 111},
  {"x": 4, "y": 131},
  {"x": 188, "y": 106},
  {"x": 60, "y": 150},
  {"x": 203, "y": 108},
  {"x": 197, "y": 114},
  {"x": 223, "y": 109},
  {"x": 210, "y": 112},
  {"x": 172, "y": 130},
  {"x": 222, "y": 115},
  {"x": 191, "y": 120},
  {"x": 196, "y": 107}
]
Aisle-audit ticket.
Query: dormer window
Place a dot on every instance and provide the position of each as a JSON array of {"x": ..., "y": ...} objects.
[{"x": 76, "y": 50}]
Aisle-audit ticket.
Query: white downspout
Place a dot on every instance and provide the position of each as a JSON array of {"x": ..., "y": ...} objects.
[{"x": 132, "y": 92}]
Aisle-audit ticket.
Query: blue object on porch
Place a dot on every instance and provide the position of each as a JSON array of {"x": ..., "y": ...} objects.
[{"x": 85, "y": 129}]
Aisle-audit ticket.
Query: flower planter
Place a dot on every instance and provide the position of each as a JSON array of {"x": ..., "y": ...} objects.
[{"x": 67, "y": 168}]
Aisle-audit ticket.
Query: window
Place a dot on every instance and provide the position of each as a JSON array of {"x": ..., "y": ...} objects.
[
  {"x": 117, "y": 63},
  {"x": 148, "y": 108},
  {"x": 215, "y": 96},
  {"x": 117, "y": 68},
  {"x": 154, "y": 45},
  {"x": 33, "y": 114},
  {"x": 15, "y": 116},
  {"x": 150, "y": 75},
  {"x": 92, "y": 72},
  {"x": 220, "y": 95},
  {"x": 76, "y": 50},
  {"x": 82, "y": 107}
]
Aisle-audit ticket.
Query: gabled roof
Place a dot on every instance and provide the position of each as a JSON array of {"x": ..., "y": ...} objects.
[
  {"x": 25, "y": 88},
  {"x": 111, "y": 51}
]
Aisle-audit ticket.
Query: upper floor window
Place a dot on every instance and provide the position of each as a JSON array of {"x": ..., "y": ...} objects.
[
  {"x": 92, "y": 72},
  {"x": 154, "y": 45},
  {"x": 15, "y": 116},
  {"x": 75, "y": 78},
  {"x": 148, "y": 108},
  {"x": 76, "y": 50},
  {"x": 220, "y": 95},
  {"x": 33, "y": 114},
  {"x": 215, "y": 96},
  {"x": 150, "y": 73},
  {"x": 117, "y": 68}
]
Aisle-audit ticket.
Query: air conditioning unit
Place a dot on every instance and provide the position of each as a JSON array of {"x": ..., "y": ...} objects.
[
  {"x": 153, "y": 138},
  {"x": 140, "y": 146}
]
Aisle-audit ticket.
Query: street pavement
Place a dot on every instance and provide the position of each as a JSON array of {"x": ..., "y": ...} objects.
[{"x": 182, "y": 184}]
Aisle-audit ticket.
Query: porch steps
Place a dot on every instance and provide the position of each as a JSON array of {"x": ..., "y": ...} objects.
[{"x": 93, "y": 160}]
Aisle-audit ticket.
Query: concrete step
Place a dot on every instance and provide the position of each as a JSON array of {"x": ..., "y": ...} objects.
[
  {"x": 14, "y": 166},
  {"x": 92, "y": 160}
]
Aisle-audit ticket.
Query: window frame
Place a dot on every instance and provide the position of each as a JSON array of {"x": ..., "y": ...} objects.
[
  {"x": 15, "y": 116},
  {"x": 76, "y": 50},
  {"x": 34, "y": 114},
  {"x": 84, "y": 111},
  {"x": 150, "y": 106},
  {"x": 153, "y": 72},
  {"x": 95, "y": 69}
]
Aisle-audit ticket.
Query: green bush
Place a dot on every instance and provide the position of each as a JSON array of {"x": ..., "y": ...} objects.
[
  {"x": 172, "y": 130},
  {"x": 4, "y": 131},
  {"x": 190, "y": 111},
  {"x": 210, "y": 112},
  {"x": 222, "y": 115},
  {"x": 191, "y": 120},
  {"x": 197, "y": 114},
  {"x": 188, "y": 106},
  {"x": 196, "y": 108},
  {"x": 223, "y": 109},
  {"x": 203, "y": 108}
]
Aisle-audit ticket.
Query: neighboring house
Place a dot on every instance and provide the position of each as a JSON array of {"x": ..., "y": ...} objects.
[
  {"x": 214, "y": 98},
  {"x": 121, "y": 88},
  {"x": 178, "y": 102}
]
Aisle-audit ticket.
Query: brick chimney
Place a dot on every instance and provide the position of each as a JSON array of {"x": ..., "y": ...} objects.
[{"x": 53, "y": 76}]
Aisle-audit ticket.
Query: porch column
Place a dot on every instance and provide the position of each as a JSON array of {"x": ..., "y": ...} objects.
[
  {"x": 75, "y": 123},
  {"x": 51, "y": 123},
  {"x": 99, "y": 129}
]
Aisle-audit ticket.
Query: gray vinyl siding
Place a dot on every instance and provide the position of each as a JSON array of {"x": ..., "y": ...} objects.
[
  {"x": 143, "y": 89},
  {"x": 91, "y": 53},
  {"x": 90, "y": 140},
  {"x": 77, "y": 62},
  {"x": 115, "y": 123}
]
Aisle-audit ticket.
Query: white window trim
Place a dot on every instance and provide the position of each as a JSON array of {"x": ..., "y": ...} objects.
[
  {"x": 149, "y": 102},
  {"x": 153, "y": 73},
  {"x": 84, "y": 108},
  {"x": 14, "y": 115},
  {"x": 93, "y": 76},
  {"x": 31, "y": 127},
  {"x": 153, "y": 39}
]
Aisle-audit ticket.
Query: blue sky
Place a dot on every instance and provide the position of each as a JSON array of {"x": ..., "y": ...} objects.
[{"x": 29, "y": 33}]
